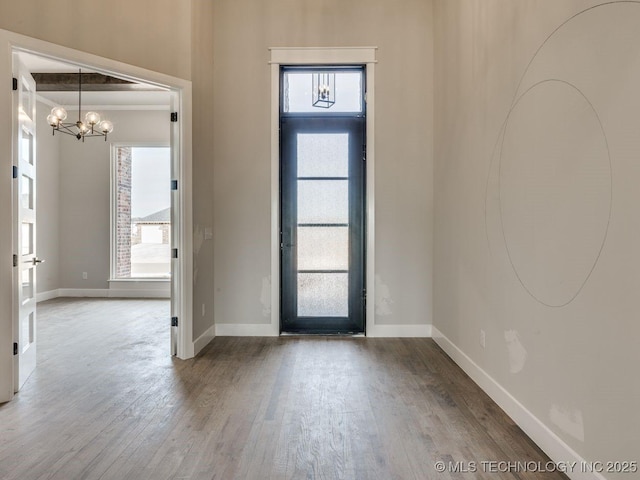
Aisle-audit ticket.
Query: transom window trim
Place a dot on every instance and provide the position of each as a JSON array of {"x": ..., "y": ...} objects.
[{"x": 322, "y": 55}]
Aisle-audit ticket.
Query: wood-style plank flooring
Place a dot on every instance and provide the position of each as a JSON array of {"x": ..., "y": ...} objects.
[{"x": 108, "y": 402}]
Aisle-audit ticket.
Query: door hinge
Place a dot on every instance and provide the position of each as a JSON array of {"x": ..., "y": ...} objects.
[
  {"x": 14, "y": 84},
  {"x": 14, "y": 172},
  {"x": 174, "y": 116},
  {"x": 174, "y": 253},
  {"x": 364, "y": 296},
  {"x": 364, "y": 152},
  {"x": 15, "y": 260},
  {"x": 174, "y": 184},
  {"x": 15, "y": 348},
  {"x": 174, "y": 321}
]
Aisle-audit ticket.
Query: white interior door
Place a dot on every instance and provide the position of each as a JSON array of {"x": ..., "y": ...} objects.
[{"x": 24, "y": 198}]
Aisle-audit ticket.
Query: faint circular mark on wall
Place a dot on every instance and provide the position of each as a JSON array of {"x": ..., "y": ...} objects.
[
  {"x": 587, "y": 49},
  {"x": 554, "y": 189}
]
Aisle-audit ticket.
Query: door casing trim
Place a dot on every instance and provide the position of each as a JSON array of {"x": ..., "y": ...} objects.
[{"x": 280, "y": 56}]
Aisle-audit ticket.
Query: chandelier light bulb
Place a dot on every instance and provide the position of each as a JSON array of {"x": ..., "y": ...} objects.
[
  {"x": 60, "y": 113},
  {"x": 92, "y": 118},
  {"x": 324, "y": 91},
  {"x": 53, "y": 120},
  {"x": 106, "y": 126}
]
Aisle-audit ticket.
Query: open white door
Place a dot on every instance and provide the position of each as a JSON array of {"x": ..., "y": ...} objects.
[{"x": 24, "y": 225}]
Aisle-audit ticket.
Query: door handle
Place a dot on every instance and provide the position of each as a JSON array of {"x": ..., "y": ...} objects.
[{"x": 36, "y": 261}]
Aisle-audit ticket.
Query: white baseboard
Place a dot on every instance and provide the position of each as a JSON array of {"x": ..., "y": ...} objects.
[
  {"x": 399, "y": 331},
  {"x": 245, "y": 330},
  {"x": 44, "y": 296},
  {"x": 107, "y": 293},
  {"x": 541, "y": 434},
  {"x": 267, "y": 330},
  {"x": 204, "y": 339}
]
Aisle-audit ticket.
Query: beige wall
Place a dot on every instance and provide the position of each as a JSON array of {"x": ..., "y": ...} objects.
[
  {"x": 243, "y": 32},
  {"x": 47, "y": 203},
  {"x": 154, "y": 34},
  {"x": 537, "y": 229},
  {"x": 203, "y": 121},
  {"x": 85, "y": 179}
]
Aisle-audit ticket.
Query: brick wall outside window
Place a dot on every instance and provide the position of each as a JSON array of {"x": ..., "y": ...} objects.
[{"x": 123, "y": 221}]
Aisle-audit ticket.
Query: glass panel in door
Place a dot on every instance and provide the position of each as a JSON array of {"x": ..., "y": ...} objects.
[{"x": 322, "y": 199}]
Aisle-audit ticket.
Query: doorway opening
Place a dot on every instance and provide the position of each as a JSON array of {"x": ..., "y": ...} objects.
[
  {"x": 322, "y": 199},
  {"x": 140, "y": 112}
]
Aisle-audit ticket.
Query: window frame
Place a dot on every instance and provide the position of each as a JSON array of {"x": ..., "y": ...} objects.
[
  {"x": 360, "y": 69},
  {"x": 113, "y": 216}
]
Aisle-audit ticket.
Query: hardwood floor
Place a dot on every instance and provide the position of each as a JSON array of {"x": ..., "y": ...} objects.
[{"x": 108, "y": 402}]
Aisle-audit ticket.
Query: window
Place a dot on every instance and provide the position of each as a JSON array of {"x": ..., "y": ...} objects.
[
  {"x": 298, "y": 85},
  {"x": 141, "y": 213}
]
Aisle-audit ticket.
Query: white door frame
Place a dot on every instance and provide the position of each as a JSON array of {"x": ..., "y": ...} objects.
[
  {"x": 10, "y": 42},
  {"x": 322, "y": 56}
]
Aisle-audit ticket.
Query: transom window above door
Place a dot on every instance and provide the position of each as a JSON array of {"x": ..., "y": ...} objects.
[{"x": 335, "y": 90}]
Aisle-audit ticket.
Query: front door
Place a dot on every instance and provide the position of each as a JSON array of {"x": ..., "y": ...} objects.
[
  {"x": 322, "y": 216},
  {"x": 24, "y": 198}
]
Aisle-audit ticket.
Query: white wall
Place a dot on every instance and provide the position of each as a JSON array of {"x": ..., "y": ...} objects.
[
  {"x": 243, "y": 32},
  {"x": 536, "y": 216},
  {"x": 47, "y": 203},
  {"x": 85, "y": 170}
]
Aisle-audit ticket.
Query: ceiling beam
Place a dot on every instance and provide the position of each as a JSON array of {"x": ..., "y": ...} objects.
[{"x": 91, "y": 82}]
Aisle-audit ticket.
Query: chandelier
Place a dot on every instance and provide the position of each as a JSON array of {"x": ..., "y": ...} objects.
[
  {"x": 323, "y": 89},
  {"x": 91, "y": 127}
]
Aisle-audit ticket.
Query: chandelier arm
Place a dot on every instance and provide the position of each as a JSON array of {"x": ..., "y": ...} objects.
[{"x": 66, "y": 128}]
